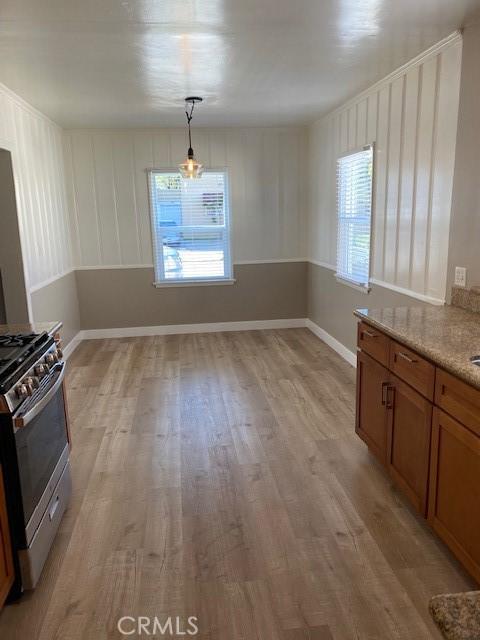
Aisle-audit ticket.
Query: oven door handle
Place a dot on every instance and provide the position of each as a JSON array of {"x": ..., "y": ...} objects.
[{"x": 20, "y": 421}]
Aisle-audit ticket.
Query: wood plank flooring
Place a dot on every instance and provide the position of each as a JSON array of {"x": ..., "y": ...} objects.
[{"x": 218, "y": 476}]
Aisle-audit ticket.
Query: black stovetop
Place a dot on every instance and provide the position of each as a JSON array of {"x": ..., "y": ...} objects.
[{"x": 18, "y": 352}]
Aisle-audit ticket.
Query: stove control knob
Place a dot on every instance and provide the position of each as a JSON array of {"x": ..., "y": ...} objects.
[
  {"x": 41, "y": 370},
  {"x": 21, "y": 391},
  {"x": 32, "y": 381},
  {"x": 50, "y": 359}
]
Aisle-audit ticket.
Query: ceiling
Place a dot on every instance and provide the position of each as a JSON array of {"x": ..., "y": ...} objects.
[{"x": 130, "y": 63}]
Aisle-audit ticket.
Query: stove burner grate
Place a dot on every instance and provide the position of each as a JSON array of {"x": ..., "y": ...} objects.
[
  {"x": 16, "y": 340},
  {"x": 17, "y": 351}
]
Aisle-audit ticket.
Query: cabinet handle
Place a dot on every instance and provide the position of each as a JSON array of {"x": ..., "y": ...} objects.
[
  {"x": 389, "y": 402},
  {"x": 384, "y": 392},
  {"x": 370, "y": 334},
  {"x": 405, "y": 357}
]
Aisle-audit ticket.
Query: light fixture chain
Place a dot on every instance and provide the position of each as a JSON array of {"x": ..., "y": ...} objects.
[
  {"x": 190, "y": 168},
  {"x": 189, "y": 119}
]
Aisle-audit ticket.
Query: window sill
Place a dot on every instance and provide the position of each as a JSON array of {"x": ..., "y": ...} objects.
[
  {"x": 353, "y": 285},
  {"x": 193, "y": 283}
]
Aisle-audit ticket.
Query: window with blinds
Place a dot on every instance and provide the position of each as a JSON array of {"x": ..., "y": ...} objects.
[
  {"x": 190, "y": 227},
  {"x": 354, "y": 211}
]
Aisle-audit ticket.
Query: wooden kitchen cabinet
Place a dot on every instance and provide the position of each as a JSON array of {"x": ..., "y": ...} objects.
[
  {"x": 371, "y": 414},
  {"x": 454, "y": 503},
  {"x": 430, "y": 449},
  {"x": 6, "y": 560},
  {"x": 408, "y": 444},
  {"x": 394, "y": 421}
]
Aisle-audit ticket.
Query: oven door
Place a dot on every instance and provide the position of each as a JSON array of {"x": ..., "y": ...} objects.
[{"x": 41, "y": 443}]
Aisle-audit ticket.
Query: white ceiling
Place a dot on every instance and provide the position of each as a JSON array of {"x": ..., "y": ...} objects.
[{"x": 118, "y": 63}]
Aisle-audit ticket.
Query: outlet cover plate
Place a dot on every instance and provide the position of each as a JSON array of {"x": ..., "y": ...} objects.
[{"x": 460, "y": 276}]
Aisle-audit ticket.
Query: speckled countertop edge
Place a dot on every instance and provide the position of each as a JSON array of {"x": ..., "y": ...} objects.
[
  {"x": 457, "y": 615},
  {"x": 447, "y": 336},
  {"x": 36, "y": 327}
]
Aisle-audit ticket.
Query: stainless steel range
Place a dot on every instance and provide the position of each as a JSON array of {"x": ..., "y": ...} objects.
[{"x": 33, "y": 448}]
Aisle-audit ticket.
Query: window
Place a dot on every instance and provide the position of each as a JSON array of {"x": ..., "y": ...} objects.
[
  {"x": 190, "y": 227},
  {"x": 354, "y": 211}
]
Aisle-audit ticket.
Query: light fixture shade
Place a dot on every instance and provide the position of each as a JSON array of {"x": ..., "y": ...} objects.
[{"x": 190, "y": 168}]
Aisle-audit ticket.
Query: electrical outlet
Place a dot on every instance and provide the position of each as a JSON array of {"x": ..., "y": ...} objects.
[{"x": 460, "y": 276}]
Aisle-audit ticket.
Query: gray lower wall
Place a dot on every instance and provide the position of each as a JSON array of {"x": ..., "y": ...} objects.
[
  {"x": 115, "y": 298},
  {"x": 58, "y": 301},
  {"x": 331, "y": 304}
]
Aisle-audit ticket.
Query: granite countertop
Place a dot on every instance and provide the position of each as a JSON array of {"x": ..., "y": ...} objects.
[
  {"x": 34, "y": 327},
  {"x": 448, "y": 336},
  {"x": 457, "y": 615}
]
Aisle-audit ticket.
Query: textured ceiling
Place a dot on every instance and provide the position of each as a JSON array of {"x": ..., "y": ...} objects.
[{"x": 118, "y": 63}]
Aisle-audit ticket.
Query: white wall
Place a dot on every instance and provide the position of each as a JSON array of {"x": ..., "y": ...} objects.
[
  {"x": 412, "y": 118},
  {"x": 109, "y": 197},
  {"x": 35, "y": 143},
  {"x": 465, "y": 227}
]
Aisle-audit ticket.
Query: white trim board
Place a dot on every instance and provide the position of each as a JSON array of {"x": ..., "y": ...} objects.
[
  {"x": 114, "y": 266},
  {"x": 269, "y": 261},
  {"x": 100, "y": 267},
  {"x": 72, "y": 345},
  {"x": 23, "y": 104},
  {"x": 203, "y": 327},
  {"x": 386, "y": 285},
  {"x": 45, "y": 283},
  {"x": 408, "y": 292},
  {"x": 332, "y": 342},
  {"x": 215, "y": 327},
  {"x": 150, "y": 265},
  {"x": 318, "y": 263},
  {"x": 449, "y": 40},
  {"x": 325, "y": 265}
]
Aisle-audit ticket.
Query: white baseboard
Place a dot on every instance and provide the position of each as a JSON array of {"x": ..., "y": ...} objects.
[
  {"x": 332, "y": 342},
  {"x": 212, "y": 327},
  {"x": 204, "y": 327},
  {"x": 72, "y": 345}
]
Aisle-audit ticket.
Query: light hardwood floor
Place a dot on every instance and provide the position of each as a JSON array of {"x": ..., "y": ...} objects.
[{"x": 219, "y": 476}]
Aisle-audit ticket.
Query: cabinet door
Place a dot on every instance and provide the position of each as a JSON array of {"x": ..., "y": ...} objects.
[
  {"x": 6, "y": 561},
  {"x": 371, "y": 417},
  {"x": 454, "y": 504},
  {"x": 408, "y": 446}
]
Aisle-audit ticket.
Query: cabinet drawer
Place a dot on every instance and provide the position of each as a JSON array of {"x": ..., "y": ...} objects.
[
  {"x": 458, "y": 399},
  {"x": 415, "y": 370},
  {"x": 373, "y": 342}
]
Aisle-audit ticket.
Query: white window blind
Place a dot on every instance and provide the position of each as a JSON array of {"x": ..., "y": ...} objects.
[
  {"x": 190, "y": 227},
  {"x": 354, "y": 211}
]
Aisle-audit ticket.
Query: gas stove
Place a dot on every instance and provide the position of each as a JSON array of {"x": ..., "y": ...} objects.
[
  {"x": 24, "y": 360},
  {"x": 34, "y": 448}
]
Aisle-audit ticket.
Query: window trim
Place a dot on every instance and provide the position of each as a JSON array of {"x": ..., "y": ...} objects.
[
  {"x": 359, "y": 286},
  {"x": 228, "y": 278}
]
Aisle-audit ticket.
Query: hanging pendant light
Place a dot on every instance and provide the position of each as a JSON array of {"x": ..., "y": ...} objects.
[{"x": 190, "y": 168}]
